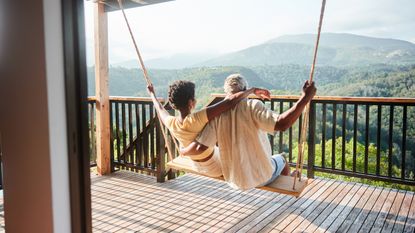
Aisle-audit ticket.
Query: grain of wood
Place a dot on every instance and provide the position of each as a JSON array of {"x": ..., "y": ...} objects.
[
  {"x": 326, "y": 212},
  {"x": 356, "y": 210},
  {"x": 390, "y": 219},
  {"x": 403, "y": 213},
  {"x": 368, "y": 223},
  {"x": 361, "y": 217},
  {"x": 410, "y": 221},
  {"x": 380, "y": 220},
  {"x": 335, "y": 213},
  {"x": 312, "y": 212},
  {"x": 102, "y": 90},
  {"x": 259, "y": 211},
  {"x": 251, "y": 204},
  {"x": 269, "y": 218},
  {"x": 298, "y": 215},
  {"x": 347, "y": 209},
  {"x": 129, "y": 202}
]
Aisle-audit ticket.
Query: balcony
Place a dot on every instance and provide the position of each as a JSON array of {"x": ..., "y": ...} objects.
[{"x": 355, "y": 143}]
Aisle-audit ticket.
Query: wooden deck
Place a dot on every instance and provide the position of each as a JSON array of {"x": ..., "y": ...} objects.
[{"x": 129, "y": 202}]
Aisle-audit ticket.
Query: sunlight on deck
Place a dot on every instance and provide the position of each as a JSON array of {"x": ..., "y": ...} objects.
[{"x": 127, "y": 202}]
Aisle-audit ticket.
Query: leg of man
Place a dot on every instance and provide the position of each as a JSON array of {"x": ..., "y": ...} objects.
[{"x": 280, "y": 168}]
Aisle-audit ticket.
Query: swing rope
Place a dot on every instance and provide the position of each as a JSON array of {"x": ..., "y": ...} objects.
[
  {"x": 306, "y": 113},
  {"x": 148, "y": 81}
]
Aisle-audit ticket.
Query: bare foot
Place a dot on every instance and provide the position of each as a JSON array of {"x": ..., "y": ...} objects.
[{"x": 286, "y": 170}]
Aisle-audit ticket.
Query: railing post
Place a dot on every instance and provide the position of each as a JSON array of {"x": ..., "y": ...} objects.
[
  {"x": 171, "y": 174},
  {"x": 311, "y": 140},
  {"x": 161, "y": 155}
]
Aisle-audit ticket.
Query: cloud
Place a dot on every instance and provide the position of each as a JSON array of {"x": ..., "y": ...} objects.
[{"x": 222, "y": 26}]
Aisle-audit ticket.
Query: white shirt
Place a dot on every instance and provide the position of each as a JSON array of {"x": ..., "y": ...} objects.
[{"x": 245, "y": 150}]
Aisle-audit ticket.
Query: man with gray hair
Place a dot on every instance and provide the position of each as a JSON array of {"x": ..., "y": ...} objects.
[{"x": 245, "y": 151}]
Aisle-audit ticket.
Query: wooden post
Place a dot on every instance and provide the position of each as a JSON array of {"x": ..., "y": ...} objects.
[
  {"x": 102, "y": 90},
  {"x": 311, "y": 140}
]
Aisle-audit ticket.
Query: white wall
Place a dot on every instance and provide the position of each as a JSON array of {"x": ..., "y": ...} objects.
[{"x": 57, "y": 115}]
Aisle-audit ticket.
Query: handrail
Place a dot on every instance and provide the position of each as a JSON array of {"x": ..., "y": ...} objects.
[
  {"x": 127, "y": 98},
  {"x": 338, "y": 98}
]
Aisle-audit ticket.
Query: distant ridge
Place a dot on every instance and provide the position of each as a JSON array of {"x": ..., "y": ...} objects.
[{"x": 336, "y": 49}]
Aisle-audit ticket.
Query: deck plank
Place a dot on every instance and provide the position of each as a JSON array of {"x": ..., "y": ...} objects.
[
  {"x": 275, "y": 213},
  {"x": 270, "y": 204},
  {"x": 380, "y": 220},
  {"x": 228, "y": 211},
  {"x": 356, "y": 210},
  {"x": 189, "y": 208},
  {"x": 390, "y": 219},
  {"x": 335, "y": 213},
  {"x": 347, "y": 209},
  {"x": 410, "y": 220},
  {"x": 310, "y": 215},
  {"x": 374, "y": 212},
  {"x": 321, "y": 216},
  {"x": 236, "y": 214},
  {"x": 403, "y": 213},
  {"x": 279, "y": 215},
  {"x": 300, "y": 214},
  {"x": 361, "y": 217},
  {"x": 201, "y": 217}
]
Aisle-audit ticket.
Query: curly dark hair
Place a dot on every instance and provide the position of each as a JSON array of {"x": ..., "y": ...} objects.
[{"x": 180, "y": 92}]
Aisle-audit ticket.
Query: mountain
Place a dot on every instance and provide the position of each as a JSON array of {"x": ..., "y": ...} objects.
[
  {"x": 130, "y": 82},
  {"x": 335, "y": 49},
  {"x": 177, "y": 61},
  {"x": 369, "y": 80}
]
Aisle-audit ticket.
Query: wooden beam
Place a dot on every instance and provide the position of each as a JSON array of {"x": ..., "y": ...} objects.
[
  {"x": 112, "y": 5},
  {"x": 102, "y": 90}
]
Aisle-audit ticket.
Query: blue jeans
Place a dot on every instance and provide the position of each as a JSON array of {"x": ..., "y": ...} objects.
[{"x": 278, "y": 163}]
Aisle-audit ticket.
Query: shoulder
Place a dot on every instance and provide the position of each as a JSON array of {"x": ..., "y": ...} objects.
[
  {"x": 170, "y": 120},
  {"x": 198, "y": 116},
  {"x": 255, "y": 104}
]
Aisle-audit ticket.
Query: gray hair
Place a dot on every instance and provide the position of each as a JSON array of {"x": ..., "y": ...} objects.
[{"x": 235, "y": 83}]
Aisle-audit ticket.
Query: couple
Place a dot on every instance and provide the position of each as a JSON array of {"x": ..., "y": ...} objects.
[{"x": 239, "y": 127}]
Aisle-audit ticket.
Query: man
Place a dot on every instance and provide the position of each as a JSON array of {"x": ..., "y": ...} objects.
[{"x": 245, "y": 151}]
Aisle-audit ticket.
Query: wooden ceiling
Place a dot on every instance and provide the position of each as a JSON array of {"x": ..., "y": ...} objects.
[{"x": 112, "y": 5}]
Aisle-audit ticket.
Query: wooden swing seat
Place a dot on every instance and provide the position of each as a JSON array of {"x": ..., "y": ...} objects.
[{"x": 283, "y": 184}]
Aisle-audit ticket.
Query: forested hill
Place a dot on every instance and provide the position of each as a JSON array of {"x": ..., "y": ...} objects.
[
  {"x": 373, "y": 80},
  {"x": 335, "y": 50}
]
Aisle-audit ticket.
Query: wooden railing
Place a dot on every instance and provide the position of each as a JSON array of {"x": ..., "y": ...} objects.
[
  {"x": 136, "y": 140},
  {"x": 372, "y": 138}
]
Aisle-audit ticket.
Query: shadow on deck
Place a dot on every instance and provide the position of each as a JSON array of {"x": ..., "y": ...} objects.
[{"x": 129, "y": 202}]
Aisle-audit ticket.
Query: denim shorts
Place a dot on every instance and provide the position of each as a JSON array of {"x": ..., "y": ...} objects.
[{"x": 278, "y": 163}]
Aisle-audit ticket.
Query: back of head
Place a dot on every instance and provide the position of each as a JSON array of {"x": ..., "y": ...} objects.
[
  {"x": 235, "y": 83},
  {"x": 180, "y": 92}
]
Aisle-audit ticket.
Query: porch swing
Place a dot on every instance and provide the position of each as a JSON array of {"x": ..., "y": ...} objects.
[{"x": 283, "y": 184}]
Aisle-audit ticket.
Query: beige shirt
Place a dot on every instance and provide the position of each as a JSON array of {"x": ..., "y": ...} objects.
[
  {"x": 245, "y": 150},
  {"x": 185, "y": 132}
]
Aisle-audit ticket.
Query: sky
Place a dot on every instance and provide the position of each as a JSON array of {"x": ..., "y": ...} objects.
[{"x": 222, "y": 26}]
